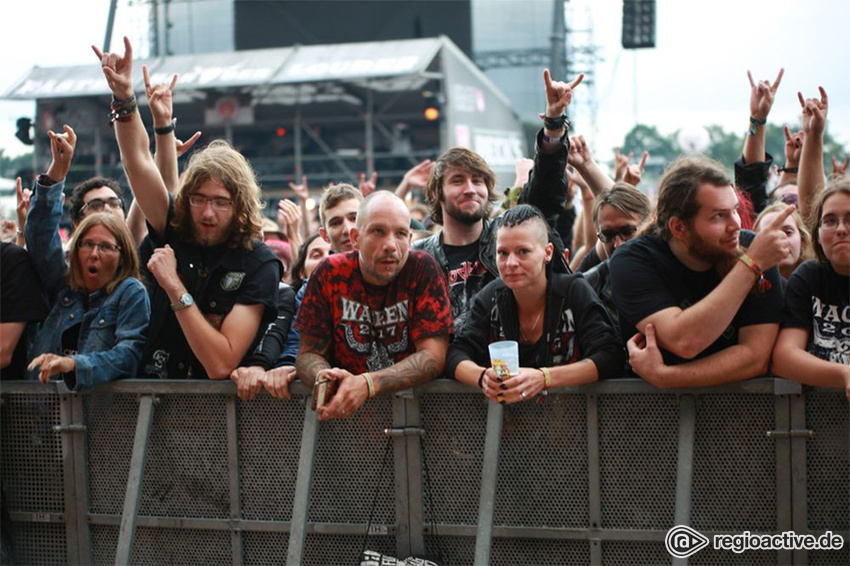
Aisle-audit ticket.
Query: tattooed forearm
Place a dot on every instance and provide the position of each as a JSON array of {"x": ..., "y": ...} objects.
[
  {"x": 414, "y": 370},
  {"x": 311, "y": 358}
]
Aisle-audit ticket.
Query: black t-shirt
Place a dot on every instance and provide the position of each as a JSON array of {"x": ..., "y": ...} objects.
[
  {"x": 646, "y": 278},
  {"x": 817, "y": 299},
  {"x": 218, "y": 278},
  {"x": 590, "y": 260},
  {"x": 466, "y": 275},
  {"x": 21, "y": 300}
]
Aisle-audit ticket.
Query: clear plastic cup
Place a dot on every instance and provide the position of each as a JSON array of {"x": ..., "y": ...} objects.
[{"x": 504, "y": 357}]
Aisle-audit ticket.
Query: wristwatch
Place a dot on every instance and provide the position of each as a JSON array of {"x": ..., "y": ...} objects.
[{"x": 184, "y": 302}]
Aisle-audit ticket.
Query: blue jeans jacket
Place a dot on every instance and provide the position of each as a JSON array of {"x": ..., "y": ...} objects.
[{"x": 114, "y": 326}]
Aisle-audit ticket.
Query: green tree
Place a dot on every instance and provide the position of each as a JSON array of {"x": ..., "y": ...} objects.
[
  {"x": 647, "y": 138},
  {"x": 9, "y": 166}
]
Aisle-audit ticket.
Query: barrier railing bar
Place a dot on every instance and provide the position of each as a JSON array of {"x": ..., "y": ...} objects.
[
  {"x": 593, "y": 476},
  {"x": 81, "y": 474},
  {"x": 685, "y": 465},
  {"x": 303, "y": 481},
  {"x": 233, "y": 470},
  {"x": 245, "y": 525},
  {"x": 489, "y": 474},
  {"x": 402, "y": 490},
  {"x": 799, "y": 512},
  {"x": 66, "y": 419},
  {"x": 124, "y": 550},
  {"x": 782, "y": 422},
  {"x": 414, "y": 478}
]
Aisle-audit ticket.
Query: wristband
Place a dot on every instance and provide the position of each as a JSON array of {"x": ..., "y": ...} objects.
[
  {"x": 547, "y": 378},
  {"x": 45, "y": 181},
  {"x": 369, "y": 383},
  {"x": 547, "y": 139},
  {"x": 762, "y": 285},
  {"x": 788, "y": 169},
  {"x": 555, "y": 124},
  {"x": 165, "y": 130},
  {"x": 754, "y": 124},
  {"x": 481, "y": 379}
]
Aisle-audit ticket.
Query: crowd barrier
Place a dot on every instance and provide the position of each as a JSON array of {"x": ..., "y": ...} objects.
[{"x": 183, "y": 472}]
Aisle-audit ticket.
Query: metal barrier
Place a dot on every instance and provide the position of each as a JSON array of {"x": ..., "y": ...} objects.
[{"x": 182, "y": 472}]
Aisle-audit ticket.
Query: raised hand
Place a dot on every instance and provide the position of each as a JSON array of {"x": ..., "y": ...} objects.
[
  {"x": 22, "y": 198},
  {"x": 62, "y": 149},
  {"x": 838, "y": 168},
  {"x": 793, "y": 146},
  {"x": 814, "y": 113},
  {"x": 118, "y": 70},
  {"x": 762, "y": 95},
  {"x": 163, "y": 266},
  {"x": 522, "y": 169},
  {"x": 559, "y": 94},
  {"x": 288, "y": 217},
  {"x": 621, "y": 163},
  {"x": 634, "y": 173},
  {"x": 300, "y": 190},
  {"x": 160, "y": 98},
  {"x": 182, "y": 147},
  {"x": 418, "y": 175},
  {"x": 368, "y": 187},
  {"x": 579, "y": 152}
]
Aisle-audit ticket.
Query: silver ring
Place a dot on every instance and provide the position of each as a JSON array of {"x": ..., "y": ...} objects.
[{"x": 522, "y": 394}]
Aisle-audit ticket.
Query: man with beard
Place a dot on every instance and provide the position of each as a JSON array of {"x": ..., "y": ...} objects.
[
  {"x": 461, "y": 193},
  {"x": 699, "y": 299},
  {"x": 377, "y": 319}
]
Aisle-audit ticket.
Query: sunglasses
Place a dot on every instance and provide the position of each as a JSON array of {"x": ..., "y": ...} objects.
[{"x": 625, "y": 232}]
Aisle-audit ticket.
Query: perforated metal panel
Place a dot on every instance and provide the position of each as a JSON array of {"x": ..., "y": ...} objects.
[
  {"x": 454, "y": 445},
  {"x": 348, "y": 461},
  {"x": 711, "y": 557},
  {"x": 110, "y": 428},
  {"x": 31, "y": 457},
  {"x": 634, "y": 553},
  {"x": 638, "y": 447},
  {"x": 186, "y": 474},
  {"x": 828, "y": 462},
  {"x": 543, "y": 464},
  {"x": 830, "y": 557},
  {"x": 265, "y": 548},
  {"x": 104, "y": 542},
  {"x": 734, "y": 485},
  {"x": 511, "y": 552},
  {"x": 457, "y": 551},
  {"x": 40, "y": 544},
  {"x": 269, "y": 432},
  {"x": 338, "y": 550},
  {"x": 164, "y": 546}
]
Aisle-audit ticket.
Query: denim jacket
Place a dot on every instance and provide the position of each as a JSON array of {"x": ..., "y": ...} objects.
[{"x": 114, "y": 326}]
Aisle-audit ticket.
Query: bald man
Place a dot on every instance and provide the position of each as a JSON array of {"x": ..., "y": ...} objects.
[{"x": 376, "y": 319}]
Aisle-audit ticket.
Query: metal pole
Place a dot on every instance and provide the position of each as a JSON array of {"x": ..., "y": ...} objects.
[
  {"x": 369, "y": 134},
  {"x": 233, "y": 469},
  {"x": 124, "y": 551},
  {"x": 593, "y": 478},
  {"x": 110, "y": 22},
  {"x": 301, "y": 501},
  {"x": 559, "y": 32},
  {"x": 66, "y": 418},
  {"x": 489, "y": 474},
  {"x": 685, "y": 465}
]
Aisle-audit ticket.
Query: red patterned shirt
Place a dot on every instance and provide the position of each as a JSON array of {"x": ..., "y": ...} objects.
[{"x": 373, "y": 327}]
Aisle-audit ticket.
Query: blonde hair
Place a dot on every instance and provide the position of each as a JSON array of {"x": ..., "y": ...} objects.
[
  {"x": 128, "y": 263},
  {"x": 220, "y": 162}
]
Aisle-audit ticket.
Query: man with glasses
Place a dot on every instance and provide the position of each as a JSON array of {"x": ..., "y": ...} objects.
[
  {"x": 213, "y": 283},
  {"x": 97, "y": 194}
]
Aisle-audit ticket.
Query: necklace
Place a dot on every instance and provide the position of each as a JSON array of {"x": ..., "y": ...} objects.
[{"x": 522, "y": 337}]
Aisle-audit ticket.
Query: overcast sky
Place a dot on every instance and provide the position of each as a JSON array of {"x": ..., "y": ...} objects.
[{"x": 696, "y": 76}]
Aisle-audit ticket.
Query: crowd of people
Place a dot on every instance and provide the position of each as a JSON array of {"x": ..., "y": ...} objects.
[{"x": 190, "y": 281}]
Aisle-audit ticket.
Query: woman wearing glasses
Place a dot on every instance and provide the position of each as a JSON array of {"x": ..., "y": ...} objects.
[
  {"x": 99, "y": 309},
  {"x": 814, "y": 344},
  {"x": 565, "y": 335}
]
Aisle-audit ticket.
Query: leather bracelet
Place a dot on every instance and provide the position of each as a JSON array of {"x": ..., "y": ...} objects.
[
  {"x": 788, "y": 169},
  {"x": 481, "y": 379},
  {"x": 165, "y": 130},
  {"x": 555, "y": 124}
]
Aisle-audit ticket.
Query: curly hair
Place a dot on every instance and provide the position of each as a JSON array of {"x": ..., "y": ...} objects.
[
  {"x": 465, "y": 160},
  {"x": 678, "y": 189},
  {"x": 220, "y": 162},
  {"x": 75, "y": 201},
  {"x": 128, "y": 264}
]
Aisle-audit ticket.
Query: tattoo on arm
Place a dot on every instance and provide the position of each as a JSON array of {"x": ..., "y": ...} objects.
[
  {"x": 311, "y": 358},
  {"x": 415, "y": 369}
]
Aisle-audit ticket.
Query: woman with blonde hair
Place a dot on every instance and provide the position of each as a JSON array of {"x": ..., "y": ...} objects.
[
  {"x": 100, "y": 311},
  {"x": 798, "y": 236}
]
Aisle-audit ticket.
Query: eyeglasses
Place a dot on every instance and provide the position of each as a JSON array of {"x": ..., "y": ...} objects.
[
  {"x": 832, "y": 222},
  {"x": 218, "y": 203},
  {"x": 625, "y": 232},
  {"x": 105, "y": 247},
  {"x": 97, "y": 204}
]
